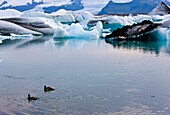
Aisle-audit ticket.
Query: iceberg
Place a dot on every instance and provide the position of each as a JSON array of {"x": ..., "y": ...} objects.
[
  {"x": 8, "y": 28},
  {"x": 60, "y": 32},
  {"x": 63, "y": 16},
  {"x": 79, "y": 24},
  {"x": 35, "y": 14},
  {"x": 49, "y": 24},
  {"x": 141, "y": 31},
  {"x": 9, "y": 13},
  {"x": 165, "y": 23},
  {"x": 35, "y": 24},
  {"x": 76, "y": 30}
]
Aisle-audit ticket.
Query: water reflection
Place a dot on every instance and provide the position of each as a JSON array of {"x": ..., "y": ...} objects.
[
  {"x": 152, "y": 46},
  {"x": 72, "y": 43},
  {"x": 34, "y": 41},
  {"x": 9, "y": 42},
  {"x": 0, "y": 60},
  {"x": 75, "y": 43}
]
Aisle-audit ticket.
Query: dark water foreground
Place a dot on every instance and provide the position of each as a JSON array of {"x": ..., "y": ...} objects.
[{"x": 89, "y": 77}]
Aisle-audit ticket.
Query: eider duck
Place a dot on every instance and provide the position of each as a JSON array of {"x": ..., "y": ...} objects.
[
  {"x": 47, "y": 89},
  {"x": 30, "y": 98}
]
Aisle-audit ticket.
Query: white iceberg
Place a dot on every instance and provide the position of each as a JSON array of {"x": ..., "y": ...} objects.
[
  {"x": 8, "y": 28},
  {"x": 9, "y": 13},
  {"x": 76, "y": 30}
]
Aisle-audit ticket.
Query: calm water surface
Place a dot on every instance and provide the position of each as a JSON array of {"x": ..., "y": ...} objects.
[{"x": 89, "y": 77}]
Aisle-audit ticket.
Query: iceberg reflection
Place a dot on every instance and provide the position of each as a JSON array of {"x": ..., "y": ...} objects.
[
  {"x": 73, "y": 43},
  {"x": 49, "y": 41},
  {"x": 152, "y": 47}
]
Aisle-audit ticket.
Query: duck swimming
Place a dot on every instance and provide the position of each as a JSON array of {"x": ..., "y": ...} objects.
[
  {"x": 48, "y": 89},
  {"x": 30, "y": 98}
]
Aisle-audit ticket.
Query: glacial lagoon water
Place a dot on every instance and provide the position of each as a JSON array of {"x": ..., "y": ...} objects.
[{"x": 89, "y": 77}]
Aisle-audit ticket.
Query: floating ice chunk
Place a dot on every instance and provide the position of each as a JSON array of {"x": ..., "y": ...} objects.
[
  {"x": 105, "y": 34},
  {"x": 9, "y": 13},
  {"x": 98, "y": 27},
  {"x": 84, "y": 17},
  {"x": 15, "y": 36},
  {"x": 8, "y": 28},
  {"x": 49, "y": 22},
  {"x": 166, "y": 16},
  {"x": 23, "y": 36},
  {"x": 42, "y": 25},
  {"x": 67, "y": 18},
  {"x": 63, "y": 16},
  {"x": 60, "y": 12},
  {"x": 77, "y": 30},
  {"x": 35, "y": 14},
  {"x": 122, "y": 20},
  {"x": 60, "y": 32},
  {"x": 127, "y": 20},
  {"x": 165, "y": 23},
  {"x": 140, "y": 18},
  {"x": 157, "y": 18}
]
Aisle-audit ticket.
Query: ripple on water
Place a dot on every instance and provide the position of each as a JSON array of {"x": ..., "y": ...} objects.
[{"x": 13, "y": 77}]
